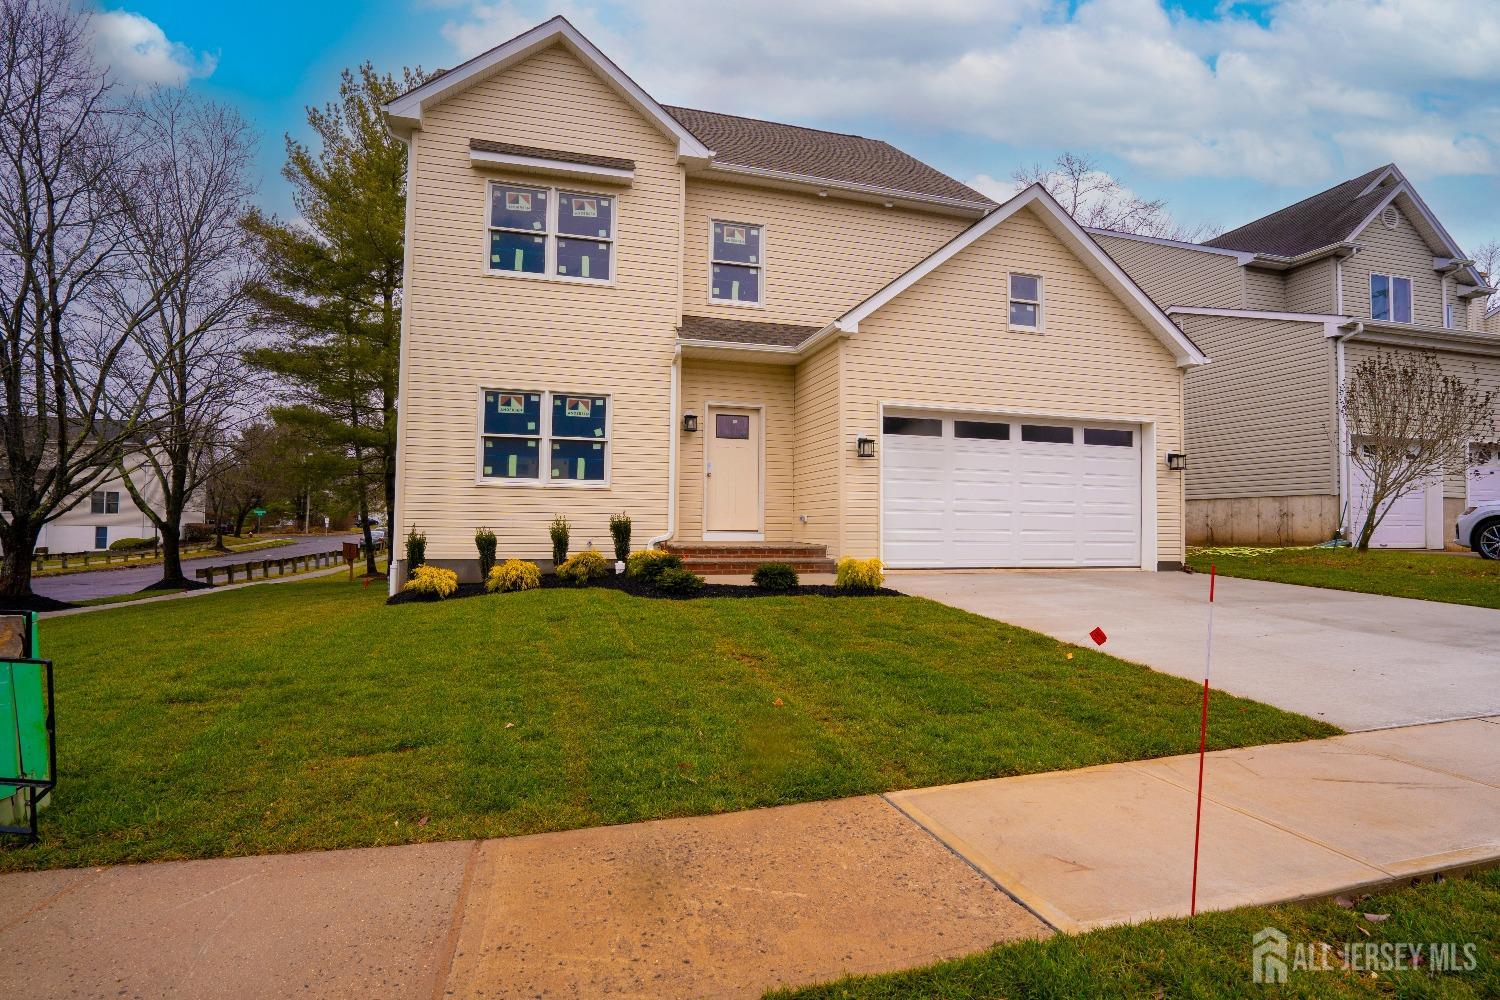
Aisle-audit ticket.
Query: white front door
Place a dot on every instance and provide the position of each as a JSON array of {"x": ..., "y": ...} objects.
[
  {"x": 732, "y": 487},
  {"x": 986, "y": 491},
  {"x": 1483, "y": 480}
]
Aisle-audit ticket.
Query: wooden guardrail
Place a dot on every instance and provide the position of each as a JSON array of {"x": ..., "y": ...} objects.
[
  {"x": 298, "y": 564},
  {"x": 44, "y": 559}
]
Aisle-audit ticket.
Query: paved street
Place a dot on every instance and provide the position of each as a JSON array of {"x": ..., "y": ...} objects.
[{"x": 107, "y": 583}]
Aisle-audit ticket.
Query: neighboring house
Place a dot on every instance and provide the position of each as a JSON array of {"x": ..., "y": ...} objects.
[
  {"x": 106, "y": 514},
  {"x": 740, "y": 331},
  {"x": 1286, "y": 306},
  {"x": 1492, "y": 320}
]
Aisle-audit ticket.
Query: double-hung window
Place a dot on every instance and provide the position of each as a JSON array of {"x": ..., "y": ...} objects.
[
  {"x": 736, "y": 264},
  {"x": 1390, "y": 298},
  {"x": 544, "y": 437},
  {"x": 1026, "y": 301},
  {"x": 551, "y": 232},
  {"x": 105, "y": 502}
]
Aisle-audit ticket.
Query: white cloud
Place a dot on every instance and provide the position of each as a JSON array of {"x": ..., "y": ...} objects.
[
  {"x": 139, "y": 54},
  {"x": 1315, "y": 88}
]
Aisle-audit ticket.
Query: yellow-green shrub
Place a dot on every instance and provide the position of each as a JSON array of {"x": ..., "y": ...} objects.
[
  {"x": 583, "y": 567},
  {"x": 513, "y": 574},
  {"x": 647, "y": 564},
  {"x": 433, "y": 581},
  {"x": 859, "y": 574}
]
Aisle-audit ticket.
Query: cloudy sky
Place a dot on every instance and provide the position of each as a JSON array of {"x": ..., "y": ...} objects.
[{"x": 1227, "y": 109}]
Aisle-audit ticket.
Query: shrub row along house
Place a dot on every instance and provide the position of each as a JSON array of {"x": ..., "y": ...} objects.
[
  {"x": 743, "y": 332},
  {"x": 1286, "y": 306}
]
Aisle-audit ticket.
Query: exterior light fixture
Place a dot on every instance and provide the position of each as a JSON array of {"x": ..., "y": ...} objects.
[
  {"x": 864, "y": 447},
  {"x": 1176, "y": 461},
  {"x": 690, "y": 422}
]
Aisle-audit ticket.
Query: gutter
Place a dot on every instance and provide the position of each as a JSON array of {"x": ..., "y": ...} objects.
[
  {"x": 822, "y": 185},
  {"x": 1274, "y": 262},
  {"x": 672, "y": 443}
]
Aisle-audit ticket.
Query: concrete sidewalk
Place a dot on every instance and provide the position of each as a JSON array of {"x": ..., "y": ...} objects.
[{"x": 735, "y": 904}]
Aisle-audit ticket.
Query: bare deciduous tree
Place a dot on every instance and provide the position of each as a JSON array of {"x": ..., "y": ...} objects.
[
  {"x": 1487, "y": 259},
  {"x": 1408, "y": 421},
  {"x": 1097, "y": 199},
  {"x": 69, "y": 311},
  {"x": 195, "y": 255}
]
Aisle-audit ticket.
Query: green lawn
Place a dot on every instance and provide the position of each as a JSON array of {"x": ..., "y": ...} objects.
[
  {"x": 1209, "y": 958},
  {"x": 311, "y": 715},
  {"x": 1428, "y": 576}
]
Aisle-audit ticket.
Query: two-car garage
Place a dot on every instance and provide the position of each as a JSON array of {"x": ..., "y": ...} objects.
[{"x": 983, "y": 490}]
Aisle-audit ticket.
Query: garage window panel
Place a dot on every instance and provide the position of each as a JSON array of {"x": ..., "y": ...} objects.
[
  {"x": 913, "y": 426},
  {"x": 1108, "y": 438},
  {"x": 1047, "y": 433},
  {"x": 983, "y": 430}
]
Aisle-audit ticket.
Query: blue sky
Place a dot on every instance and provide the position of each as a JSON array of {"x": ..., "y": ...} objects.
[{"x": 1227, "y": 110}]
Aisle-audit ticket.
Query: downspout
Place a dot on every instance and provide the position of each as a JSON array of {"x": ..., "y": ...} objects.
[
  {"x": 672, "y": 441},
  {"x": 1350, "y": 331},
  {"x": 395, "y": 579}
]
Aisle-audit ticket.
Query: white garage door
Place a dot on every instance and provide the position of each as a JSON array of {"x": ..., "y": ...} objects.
[
  {"x": 1404, "y": 525},
  {"x": 982, "y": 491}
]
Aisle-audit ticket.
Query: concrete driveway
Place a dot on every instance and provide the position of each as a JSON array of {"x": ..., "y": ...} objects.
[{"x": 1359, "y": 661}]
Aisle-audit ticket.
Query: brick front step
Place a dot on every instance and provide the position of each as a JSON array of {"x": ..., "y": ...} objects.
[{"x": 741, "y": 558}]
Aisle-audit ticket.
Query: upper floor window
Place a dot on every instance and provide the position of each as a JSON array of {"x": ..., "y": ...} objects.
[
  {"x": 551, "y": 232},
  {"x": 1450, "y": 316},
  {"x": 736, "y": 264},
  {"x": 105, "y": 502},
  {"x": 1026, "y": 301},
  {"x": 1390, "y": 298}
]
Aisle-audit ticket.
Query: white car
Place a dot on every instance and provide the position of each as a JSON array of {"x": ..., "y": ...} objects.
[{"x": 1479, "y": 528}]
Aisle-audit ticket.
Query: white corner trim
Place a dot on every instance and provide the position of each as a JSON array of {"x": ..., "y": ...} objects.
[
  {"x": 1093, "y": 255},
  {"x": 1241, "y": 256},
  {"x": 545, "y": 165},
  {"x": 405, "y": 112}
]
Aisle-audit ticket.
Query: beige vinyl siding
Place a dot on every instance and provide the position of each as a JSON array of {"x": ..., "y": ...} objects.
[
  {"x": 769, "y": 386},
  {"x": 1491, "y": 322},
  {"x": 1403, "y": 253},
  {"x": 1264, "y": 290},
  {"x": 945, "y": 343},
  {"x": 467, "y": 330},
  {"x": 1478, "y": 371},
  {"x": 1176, "y": 276},
  {"x": 822, "y": 255},
  {"x": 1311, "y": 288},
  {"x": 818, "y": 488},
  {"x": 1261, "y": 418}
]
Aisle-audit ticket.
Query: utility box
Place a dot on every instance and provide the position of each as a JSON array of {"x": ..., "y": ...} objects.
[{"x": 28, "y": 749}]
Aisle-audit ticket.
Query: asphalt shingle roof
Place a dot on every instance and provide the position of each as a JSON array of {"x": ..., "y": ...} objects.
[
  {"x": 735, "y": 331},
  {"x": 586, "y": 159},
  {"x": 1326, "y": 218},
  {"x": 810, "y": 152}
]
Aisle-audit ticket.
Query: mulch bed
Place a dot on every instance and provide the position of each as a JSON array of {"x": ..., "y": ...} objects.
[
  {"x": 636, "y": 588},
  {"x": 34, "y": 602}
]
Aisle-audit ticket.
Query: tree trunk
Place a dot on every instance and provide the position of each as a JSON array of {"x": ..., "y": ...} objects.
[
  {"x": 15, "y": 567},
  {"x": 171, "y": 553}
]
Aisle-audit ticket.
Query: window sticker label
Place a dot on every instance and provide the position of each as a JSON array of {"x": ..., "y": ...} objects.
[
  {"x": 510, "y": 403},
  {"x": 518, "y": 201},
  {"x": 574, "y": 406},
  {"x": 585, "y": 208},
  {"x": 735, "y": 235},
  {"x": 583, "y": 264}
]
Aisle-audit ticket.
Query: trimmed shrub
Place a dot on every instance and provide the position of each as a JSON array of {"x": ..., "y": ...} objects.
[
  {"x": 434, "y": 581},
  {"x": 675, "y": 582},
  {"x": 859, "y": 576},
  {"x": 131, "y": 544},
  {"x": 416, "y": 549},
  {"x": 775, "y": 576},
  {"x": 648, "y": 564},
  {"x": 585, "y": 566},
  {"x": 558, "y": 532},
  {"x": 619, "y": 530},
  {"x": 192, "y": 534},
  {"x": 484, "y": 541},
  {"x": 511, "y": 575}
]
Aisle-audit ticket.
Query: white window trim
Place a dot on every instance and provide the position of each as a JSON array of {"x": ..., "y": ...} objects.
[
  {"x": 760, "y": 302},
  {"x": 545, "y": 438},
  {"x": 1039, "y": 302},
  {"x": 1392, "y": 279},
  {"x": 104, "y": 503},
  {"x": 550, "y": 234}
]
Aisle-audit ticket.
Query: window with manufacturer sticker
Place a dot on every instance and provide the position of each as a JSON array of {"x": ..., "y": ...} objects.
[
  {"x": 551, "y": 232},
  {"x": 546, "y": 437},
  {"x": 735, "y": 262}
]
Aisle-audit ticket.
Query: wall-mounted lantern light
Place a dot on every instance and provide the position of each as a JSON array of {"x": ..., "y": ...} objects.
[
  {"x": 1176, "y": 461},
  {"x": 864, "y": 447},
  {"x": 690, "y": 422}
]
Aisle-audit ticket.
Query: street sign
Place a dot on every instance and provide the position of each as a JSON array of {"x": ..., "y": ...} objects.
[{"x": 259, "y": 512}]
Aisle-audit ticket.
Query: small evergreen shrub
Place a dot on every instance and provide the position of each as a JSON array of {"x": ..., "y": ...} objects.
[
  {"x": 677, "y": 582},
  {"x": 647, "y": 564},
  {"x": 416, "y": 549},
  {"x": 434, "y": 581},
  {"x": 775, "y": 576},
  {"x": 585, "y": 566},
  {"x": 619, "y": 530},
  {"x": 131, "y": 544},
  {"x": 559, "y": 532},
  {"x": 512, "y": 575},
  {"x": 859, "y": 576},
  {"x": 484, "y": 541}
]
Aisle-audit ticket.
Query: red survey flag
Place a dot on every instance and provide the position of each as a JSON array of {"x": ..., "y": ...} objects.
[{"x": 1098, "y": 636}]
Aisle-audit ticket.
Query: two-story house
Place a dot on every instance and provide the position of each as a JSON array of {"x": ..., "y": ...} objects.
[
  {"x": 1286, "y": 306},
  {"x": 753, "y": 334}
]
